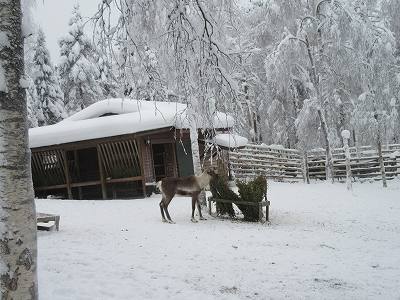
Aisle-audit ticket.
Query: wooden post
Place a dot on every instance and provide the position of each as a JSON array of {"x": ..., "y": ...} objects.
[
  {"x": 266, "y": 200},
  {"x": 66, "y": 173},
  {"x": 78, "y": 171},
  {"x": 101, "y": 169},
  {"x": 381, "y": 163},
  {"x": 346, "y": 137},
  {"x": 175, "y": 162},
  {"x": 141, "y": 149},
  {"x": 306, "y": 170}
]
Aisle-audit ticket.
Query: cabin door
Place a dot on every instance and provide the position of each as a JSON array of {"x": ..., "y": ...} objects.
[
  {"x": 83, "y": 165},
  {"x": 159, "y": 159},
  {"x": 184, "y": 158}
]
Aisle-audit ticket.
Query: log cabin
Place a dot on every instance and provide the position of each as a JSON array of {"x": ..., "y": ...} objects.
[{"x": 118, "y": 148}]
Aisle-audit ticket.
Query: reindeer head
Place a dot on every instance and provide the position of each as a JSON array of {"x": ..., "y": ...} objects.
[{"x": 212, "y": 172}]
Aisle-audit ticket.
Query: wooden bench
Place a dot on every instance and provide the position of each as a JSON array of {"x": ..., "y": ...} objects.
[
  {"x": 46, "y": 218},
  {"x": 260, "y": 205}
]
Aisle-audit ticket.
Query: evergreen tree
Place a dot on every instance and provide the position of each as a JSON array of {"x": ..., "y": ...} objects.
[
  {"x": 50, "y": 109},
  {"x": 34, "y": 111},
  {"x": 105, "y": 78},
  {"x": 78, "y": 70}
]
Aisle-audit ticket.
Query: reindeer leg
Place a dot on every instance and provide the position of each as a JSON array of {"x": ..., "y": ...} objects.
[
  {"x": 168, "y": 216},
  {"x": 167, "y": 213},
  {"x": 193, "y": 219},
  {"x": 199, "y": 208},
  {"x": 162, "y": 209}
]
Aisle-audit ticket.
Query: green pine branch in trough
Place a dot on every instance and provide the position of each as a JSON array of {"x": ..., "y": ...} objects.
[
  {"x": 252, "y": 191},
  {"x": 220, "y": 190}
]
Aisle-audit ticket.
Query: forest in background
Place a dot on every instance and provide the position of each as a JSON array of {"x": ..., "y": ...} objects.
[{"x": 294, "y": 73}]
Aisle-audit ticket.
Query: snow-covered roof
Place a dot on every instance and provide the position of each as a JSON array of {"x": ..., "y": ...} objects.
[
  {"x": 128, "y": 116},
  {"x": 230, "y": 140}
]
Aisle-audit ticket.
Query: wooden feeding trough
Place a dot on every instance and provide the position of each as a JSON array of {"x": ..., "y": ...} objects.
[
  {"x": 250, "y": 200},
  {"x": 260, "y": 206}
]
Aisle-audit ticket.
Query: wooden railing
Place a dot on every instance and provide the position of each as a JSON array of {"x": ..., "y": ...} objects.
[
  {"x": 291, "y": 165},
  {"x": 364, "y": 163},
  {"x": 118, "y": 163},
  {"x": 278, "y": 164}
]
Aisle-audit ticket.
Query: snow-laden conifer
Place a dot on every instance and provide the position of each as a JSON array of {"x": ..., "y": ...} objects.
[
  {"x": 49, "y": 105},
  {"x": 77, "y": 68}
]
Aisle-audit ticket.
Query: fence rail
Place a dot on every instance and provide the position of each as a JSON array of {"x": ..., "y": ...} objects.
[{"x": 291, "y": 165}]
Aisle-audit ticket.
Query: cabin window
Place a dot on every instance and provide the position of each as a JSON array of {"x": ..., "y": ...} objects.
[{"x": 50, "y": 161}]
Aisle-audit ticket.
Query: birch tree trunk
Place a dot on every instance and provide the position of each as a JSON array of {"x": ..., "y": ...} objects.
[
  {"x": 377, "y": 116},
  {"x": 194, "y": 141},
  {"x": 195, "y": 145},
  {"x": 18, "y": 278},
  {"x": 321, "y": 115}
]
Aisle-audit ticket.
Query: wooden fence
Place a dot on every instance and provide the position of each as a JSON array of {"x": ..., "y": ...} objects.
[
  {"x": 292, "y": 165},
  {"x": 275, "y": 163}
]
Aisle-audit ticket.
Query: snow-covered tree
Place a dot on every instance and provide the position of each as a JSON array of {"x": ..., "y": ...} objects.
[
  {"x": 377, "y": 78},
  {"x": 320, "y": 65},
  {"x": 106, "y": 78},
  {"x": 176, "y": 46},
  {"x": 276, "y": 99},
  {"x": 34, "y": 110},
  {"x": 77, "y": 68},
  {"x": 394, "y": 123},
  {"x": 290, "y": 71},
  {"x": 49, "y": 105},
  {"x": 18, "y": 249},
  {"x": 31, "y": 94}
]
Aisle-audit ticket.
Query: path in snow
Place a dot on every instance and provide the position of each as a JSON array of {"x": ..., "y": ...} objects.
[{"x": 323, "y": 243}]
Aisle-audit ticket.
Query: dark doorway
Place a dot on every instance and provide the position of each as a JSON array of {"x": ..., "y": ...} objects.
[
  {"x": 88, "y": 164},
  {"x": 159, "y": 161},
  {"x": 184, "y": 158},
  {"x": 83, "y": 165}
]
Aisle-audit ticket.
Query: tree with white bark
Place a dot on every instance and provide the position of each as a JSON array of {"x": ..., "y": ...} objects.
[
  {"x": 278, "y": 94},
  {"x": 18, "y": 258},
  {"x": 316, "y": 72},
  {"x": 296, "y": 39},
  {"x": 313, "y": 45}
]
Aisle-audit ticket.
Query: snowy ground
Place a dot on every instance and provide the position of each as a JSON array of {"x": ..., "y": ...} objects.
[{"x": 323, "y": 243}]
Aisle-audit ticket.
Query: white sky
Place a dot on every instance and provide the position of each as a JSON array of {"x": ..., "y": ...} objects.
[{"x": 53, "y": 17}]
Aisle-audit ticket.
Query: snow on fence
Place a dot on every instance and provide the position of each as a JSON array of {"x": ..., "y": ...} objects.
[
  {"x": 364, "y": 163},
  {"x": 277, "y": 163},
  {"x": 289, "y": 164}
]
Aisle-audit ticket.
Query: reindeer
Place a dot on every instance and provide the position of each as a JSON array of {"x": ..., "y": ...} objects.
[{"x": 190, "y": 185}]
